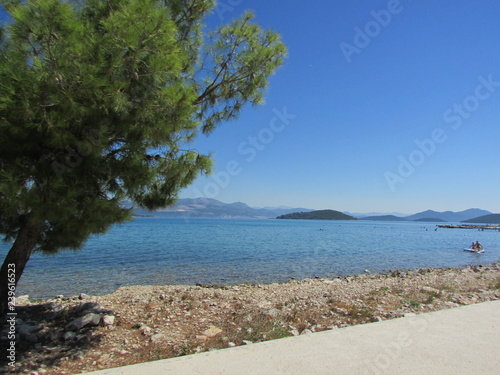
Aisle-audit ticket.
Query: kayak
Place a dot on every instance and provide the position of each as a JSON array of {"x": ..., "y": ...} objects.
[{"x": 474, "y": 251}]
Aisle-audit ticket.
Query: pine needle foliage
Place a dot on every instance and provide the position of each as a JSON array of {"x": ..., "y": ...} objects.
[{"x": 99, "y": 101}]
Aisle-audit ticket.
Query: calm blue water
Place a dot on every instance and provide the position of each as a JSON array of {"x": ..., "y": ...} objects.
[{"x": 161, "y": 251}]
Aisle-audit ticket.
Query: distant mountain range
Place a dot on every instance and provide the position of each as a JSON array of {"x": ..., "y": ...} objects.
[
  {"x": 207, "y": 208},
  {"x": 434, "y": 216},
  {"x": 449, "y": 215},
  {"x": 367, "y": 214},
  {"x": 383, "y": 218},
  {"x": 212, "y": 208},
  {"x": 430, "y": 220}
]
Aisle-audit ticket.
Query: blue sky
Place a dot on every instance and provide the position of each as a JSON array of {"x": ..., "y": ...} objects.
[{"x": 381, "y": 106}]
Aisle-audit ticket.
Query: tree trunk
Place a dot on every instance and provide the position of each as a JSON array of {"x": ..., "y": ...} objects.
[{"x": 15, "y": 261}]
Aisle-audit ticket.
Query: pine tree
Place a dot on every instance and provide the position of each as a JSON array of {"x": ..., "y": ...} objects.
[{"x": 99, "y": 100}]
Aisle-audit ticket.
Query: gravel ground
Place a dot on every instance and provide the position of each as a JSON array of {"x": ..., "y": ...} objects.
[{"x": 69, "y": 335}]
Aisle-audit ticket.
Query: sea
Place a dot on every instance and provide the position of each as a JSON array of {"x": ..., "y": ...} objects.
[{"x": 169, "y": 251}]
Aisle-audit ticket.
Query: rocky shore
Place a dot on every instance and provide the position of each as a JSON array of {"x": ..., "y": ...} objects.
[{"x": 70, "y": 335}]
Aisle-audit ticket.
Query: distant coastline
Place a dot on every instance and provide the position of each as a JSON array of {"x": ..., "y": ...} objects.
[
  {"x": 486, "y": 219},
  {"x": 317, "y": 215},
  {"x": 212, "y": 208}
]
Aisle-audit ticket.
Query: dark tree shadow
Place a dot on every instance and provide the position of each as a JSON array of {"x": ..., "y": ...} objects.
[{"x": 41, "y": 336}]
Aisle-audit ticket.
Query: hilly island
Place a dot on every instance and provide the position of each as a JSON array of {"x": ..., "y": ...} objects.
[{"x": 318, "y": 215}]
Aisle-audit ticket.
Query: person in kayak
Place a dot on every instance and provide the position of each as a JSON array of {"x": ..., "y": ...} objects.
[{"x": 478, "y": 246}]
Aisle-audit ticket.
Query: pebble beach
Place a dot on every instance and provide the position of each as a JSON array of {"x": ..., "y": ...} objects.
[{"x": 75, "y": 334}]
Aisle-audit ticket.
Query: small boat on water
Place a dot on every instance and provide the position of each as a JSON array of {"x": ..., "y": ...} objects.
[{"x": 478, "y": 251}]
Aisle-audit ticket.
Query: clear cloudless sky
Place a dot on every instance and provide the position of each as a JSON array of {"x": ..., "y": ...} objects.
[
  {"x": 388, "y": 106},
  {"x": 381, "y": 106}
]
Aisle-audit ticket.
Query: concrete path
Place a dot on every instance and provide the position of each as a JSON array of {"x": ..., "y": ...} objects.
[{"x": 464, "y": 340}]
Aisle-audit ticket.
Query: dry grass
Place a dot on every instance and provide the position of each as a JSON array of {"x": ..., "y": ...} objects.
[{"x": 244, "y": 314}]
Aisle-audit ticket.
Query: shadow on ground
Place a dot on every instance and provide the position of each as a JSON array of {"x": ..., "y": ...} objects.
[{"x": 49, "y": 333}]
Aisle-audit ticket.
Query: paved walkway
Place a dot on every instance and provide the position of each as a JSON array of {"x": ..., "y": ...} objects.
[{"x": 465, "y": 340}]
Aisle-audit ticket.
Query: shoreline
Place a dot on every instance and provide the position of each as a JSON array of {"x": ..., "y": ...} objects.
[
  {"x": 143, "y": 323},
  {"x": 223, "y": 284}
]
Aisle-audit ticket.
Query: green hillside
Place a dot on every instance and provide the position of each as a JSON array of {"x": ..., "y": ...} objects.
[
  {"x": 486, "y": 219},
  {"x": 318, "y": 215},
  {"x": 430, "y": 220}
]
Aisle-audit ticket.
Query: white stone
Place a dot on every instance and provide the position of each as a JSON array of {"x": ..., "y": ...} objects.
[
  {"x": 157, "y": 337},
  {"x": 212, "y": 331},
  {"x": 108, "y": 320}
]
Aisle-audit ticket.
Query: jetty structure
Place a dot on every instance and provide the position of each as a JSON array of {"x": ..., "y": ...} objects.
[{"x": 471, "y": 226}]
